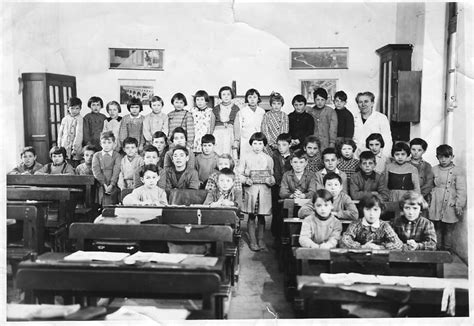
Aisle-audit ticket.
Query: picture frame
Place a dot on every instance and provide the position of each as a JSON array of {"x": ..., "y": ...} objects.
[
  {"x": 309, "y": 85},
  {"x": 319, "y": 58},
  {"x": 136, "y": 59},
  {"x": 142, "y": 89}
]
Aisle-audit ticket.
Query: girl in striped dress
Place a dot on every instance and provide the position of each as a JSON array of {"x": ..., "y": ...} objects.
[
  {"x": 181, "y": 118},
  {"x": 275, "y": 122}
]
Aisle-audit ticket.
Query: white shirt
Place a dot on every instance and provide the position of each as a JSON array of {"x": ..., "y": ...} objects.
[
  {"x": 374, "y": 225},
  {"x": 375, "y": 123}
]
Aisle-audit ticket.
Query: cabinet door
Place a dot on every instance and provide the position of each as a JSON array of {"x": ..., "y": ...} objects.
[{"x": 408, "y": 96}]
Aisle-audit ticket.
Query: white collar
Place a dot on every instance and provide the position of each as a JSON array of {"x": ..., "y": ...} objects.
[
  {"x": 374, "y": 225},
  {"x": 324, "y": 171},
  {"x": 106, "y": 153}
]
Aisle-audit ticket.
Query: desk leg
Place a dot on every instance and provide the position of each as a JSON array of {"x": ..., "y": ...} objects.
[{"x": 439, "y": 270}]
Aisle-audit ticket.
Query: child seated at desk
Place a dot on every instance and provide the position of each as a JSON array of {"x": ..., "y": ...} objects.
[
  {"x": 321, "y": 229},
  {"x": 85, "y": 168},
  {"x": 28, "y": 164},
  {"x": 181, "y": 175},
  {"x": 149, "y": 193},
  {"x": 59, "y": 164},
  {"x": 330, "y": 160},
  {"x": 370, "y": 232},
  {"x": 415, "y": 231},
  {"x": 225, "y": 194}
]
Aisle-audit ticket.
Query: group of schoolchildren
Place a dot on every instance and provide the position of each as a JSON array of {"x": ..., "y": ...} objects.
[{"x": 307, "y": 154}]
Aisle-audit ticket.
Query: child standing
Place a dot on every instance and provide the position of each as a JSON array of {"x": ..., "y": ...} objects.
[
  {"x": 256, "y": 169},
  {"x": 375, "y": 144},
  {"x": 366, "y": 181},
  {"x": 59, "y": 164},
  {"x": 132, "y": 124},
  {"x": 348, "y": 164},
  {"x": 311, "y": 147},
  {"x": 160, "y": 141},
  {"x": 251, "y": 117},
  {"x": 225, "y": 195},
  {"x": 148, "y": 194},
  {"x": 129, "y": 164},
  {"x": 86, "y": 167},
  {"x": 274, "y": 122},
  {"x": 300, "y": 123},
  {"x": 224, "y": 161},
  {"x": 345, "y": 119},
  {"x": 179, "y": 137},
  {"x": 155, "y": 121},
  {"x": 203, "y": 119},
  {"x": 448, "y": 197},
  {"x": 113, "y": 122},
  {"x": 106, "y": 170},
  {"x": 370, "y": 232},
  {"x": 70, "y": 131},
  {"x": 298, "y": 183},
  {"x": 330, "y": 160},
  {"x": 181, "y": 118},
  {"x": 181, "y": 175},
  {"x": 93, "y": 122},
  {"x": 321, "y": 229},
  {"x": 226, "y": 129},
  {"x": 418, "y": 147},
  {"x": 415, "y": 231},
  {"x": 206, "y": 162},
  {"x": 28, "y": 164}
]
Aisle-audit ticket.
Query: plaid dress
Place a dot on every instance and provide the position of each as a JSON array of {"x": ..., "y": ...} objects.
[
  {"x": 358, "y": 234},
  {"x": 349, "y": 166},
  {"x": 274, "y": 123},
  {"x": 421, "y": 230}
]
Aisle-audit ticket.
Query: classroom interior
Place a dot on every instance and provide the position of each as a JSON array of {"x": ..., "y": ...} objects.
[{"x": 209, "y": 45}]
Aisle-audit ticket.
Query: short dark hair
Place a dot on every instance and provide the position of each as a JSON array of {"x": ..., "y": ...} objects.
[
  {"x": 149, "y": 167},
  {"x": 179, "y": 130},
  {"x": 299, "y": 153},
  {"x": 330, "y": 150},
  {"x": 444, "y": 150},
  {"x": 258, "y": 136},
  {"x": 227, "y": 171},
  {"x": 89, "y": 147},
  {"x": 366, "y": 155},
  {"x": 134, "y": 101},
  {"x": 375, "y": 136},
  {"x": 150, "y": 148},
  {"x": 107, "y": 135},
  {"x": 284, "y": 137},
  {"x": 30, "y": 149},
  {"x": 181, "y": 148},
  {"x": 113, "y": 103},
  {"x": 312, "y": 139},
  {"x": 371, "y": 200},
  {"x": 159, "y": 134},
  {"x": 401, "y": 146},
  {"x": 130, "y": 140},
  {"x": 201, "y": 93},
  {"x": 332, "y": 176},
  {"x": 95, "y": 99},
  {"x": 321, "y": 92},
  {"x": 299, "y": 98},
  {"x": 208, "y": 139},
  {"x": 276, "y": 97},
  {"x": 419, "y": 141},
  {"x": 156, "y": 98},
  {"x": 226, "y": 88},
  {"x": 343, "y": 142},
  {"x": 369, "y": 94},
  {"x": 179, "y": 97},
  {"x": 74, "y": 101},
  {"x": 57, "y": 150},
  {"x": 324, "y": 195},
  {"x": 341, "y": 95},
  {"x": 251, "y": 92}
]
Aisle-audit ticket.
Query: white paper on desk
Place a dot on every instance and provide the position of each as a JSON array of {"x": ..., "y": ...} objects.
[
  {"x": 156, "y": 257},
  {"x": 147, "y": 313},
  {"x": 36, "y": 311},
  {"x": 116, "y": 220},
  {"x": 363, "y": 278},
  {"x": 338, "y": 278},
  {"x": 140, "y": 213},
  {"x": 200, "y": 260},
  {"x": 96, "y": 255}
]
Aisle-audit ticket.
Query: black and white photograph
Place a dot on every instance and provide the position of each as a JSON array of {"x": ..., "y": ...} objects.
[{"x": 303, "y": 163}]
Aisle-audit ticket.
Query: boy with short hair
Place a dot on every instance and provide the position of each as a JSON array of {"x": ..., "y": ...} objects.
[
  {"x": 224, "y": 195},
  {"x": 28, "y": 164},
  {"x": 206, "y": 162},
  {"x": 418, "y": 147},
  {"x": 150, "y": 156},
  {"x": 94, "y": 122},
  {"x": 130, "y": 164},
  {"x": 298, "y": 183},
  {"x": 345, "y": 119},
  {"x": 311, "y": 147},
  {"x": 179, "y": 175},
  {"x": 366, "y": 181},
  {"x": 70, "y": 132},
  {"x": 301, "y": 123},
  {"x": 330, "y": 159},
  {"x": 148, "y": 194},
  {"x": 86, "y": 167}
]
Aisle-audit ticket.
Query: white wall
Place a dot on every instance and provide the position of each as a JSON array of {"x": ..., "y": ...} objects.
[{"x": 206, "y": 46}]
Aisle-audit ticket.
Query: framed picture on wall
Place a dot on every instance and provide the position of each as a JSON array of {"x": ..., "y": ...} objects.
[
  {"x": 142, "y": 89},
  {"x": 136, "y": 59},
  {"x": 319, "y": 58},
  {"x": 308, "y": 86}
]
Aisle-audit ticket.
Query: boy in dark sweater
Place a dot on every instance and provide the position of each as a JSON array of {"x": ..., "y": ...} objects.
[
  {"x": 345, "y": 119},
  {"x": 301, "y": 123}
]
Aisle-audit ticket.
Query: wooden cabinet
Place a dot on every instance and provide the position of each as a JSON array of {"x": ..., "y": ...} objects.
[{"x": 45, "y": 98}]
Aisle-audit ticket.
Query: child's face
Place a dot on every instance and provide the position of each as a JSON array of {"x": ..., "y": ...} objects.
[
  {"x": 333, "y": 186},
  {"x": 223, "y": 163},
  {"x": 276, "y": 105},
  {"x": 375, "y": 146},
  {"x": 88, "y": 157},
  {"x": 28, "y": 159},
  {"x": 134, "y": 110},
  {"x": 159, "y": 143},
  {"x": 252, "y": 100},
  {"x": 372, "y": 215},
  {"x": 95, "y": 107},
  {"x": 445, "y": 161},
  {"x": 283, "y": 147},
  {"x": 57, "y": 159},
  {"x": 180, "y": 159},
  {"x": 339, "y": 104},
  {"x": 150, "y": 158},
  {"x": 257, "y": 146},
  {"x": 367, "y": 166},
  {"x": 299, "y": 107},
  {"x": 298, "y": 164},
  {"x": 416, "y": 152},
  {"x": 311, "y": 149},
  {"x": 200, "y": 102},
  {"x": 178, "y": 104},
  {"x": 323, "y": 208},
  {"x": 113, "y": 111},
  {"x": 74, "y": 110},
  {"x": 131, "y": 150},
  {"x": 400, "y": 157},
  {"x": 225, "y": 182},
  {"x": 107, "y": 144},
  {"x": 411, "y": 211},
  {"x": 207, "y": 148},
  {"x": 150, "y": 179},
  {"x": 179, "y": 139},
  {"x": 156, "y": 107},
  {"x": 330, "y": 162},
  {"x": 226, "y": 96},
  {"x": 347, "y": 151},
  {"x": 320, "y": 102}
]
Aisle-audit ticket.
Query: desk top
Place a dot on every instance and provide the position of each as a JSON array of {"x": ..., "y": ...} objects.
[{"x": 40, "y": 193}]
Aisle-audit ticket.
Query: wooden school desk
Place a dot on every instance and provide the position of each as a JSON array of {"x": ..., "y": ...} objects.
[{"x": 51, "y": 275}]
